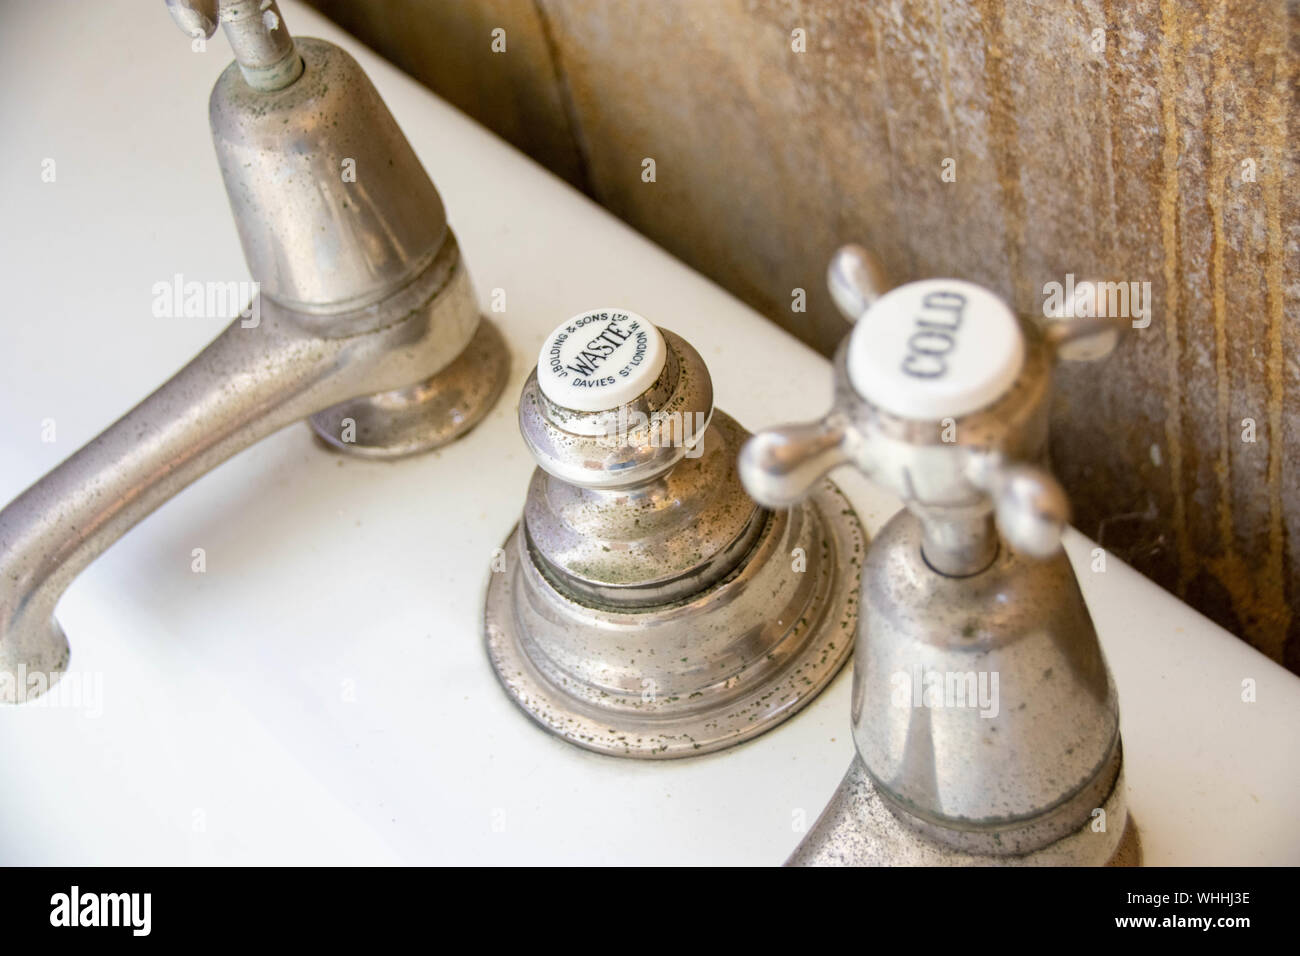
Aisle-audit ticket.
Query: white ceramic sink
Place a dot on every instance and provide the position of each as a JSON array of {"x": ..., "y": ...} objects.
[{"x": 321, "y": 693}]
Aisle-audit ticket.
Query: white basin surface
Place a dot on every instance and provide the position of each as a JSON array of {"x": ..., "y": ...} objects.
[{"x": 320, "y": 694}]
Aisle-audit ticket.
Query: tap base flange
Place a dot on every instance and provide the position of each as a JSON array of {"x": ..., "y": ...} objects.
[
  {"x": 693, "y": 677},
  {"x": 426, "y": 415},
  {"x": 859, "y": 828}
]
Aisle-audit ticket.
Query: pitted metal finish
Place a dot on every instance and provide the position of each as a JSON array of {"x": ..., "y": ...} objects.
[
  {"x": 648, "y": 607},
  {"x": 630, "y": 444},
  {"x": 692, "y": 677},
  {"x": 334, "y": 210},
  {"x": 652, "y": 545},
  {"x": 366, "y": 323},
  {"x": 860, "y": 828},
  {"x": 1052, "y": 726},
  {"x": 985, "y": 719},
  {"x": 640, "y": 514}
]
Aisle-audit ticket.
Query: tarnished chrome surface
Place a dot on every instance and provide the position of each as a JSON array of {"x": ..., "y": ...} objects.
[
  {"x": 365, "y": 322},
  {"x": 985, "y": 720},
  {"x": 646, "y": 606},
  {"x": 860, "y": 828},
  {"x": 1038, "y": 725},
  {"x": 264, "y": 50},
  {"x": 334, "y": 211}
]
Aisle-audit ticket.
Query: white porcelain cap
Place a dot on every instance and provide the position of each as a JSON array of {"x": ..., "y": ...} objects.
[
  {"x": 935, "y": 349},
  {"x": 599, "y": 360}
]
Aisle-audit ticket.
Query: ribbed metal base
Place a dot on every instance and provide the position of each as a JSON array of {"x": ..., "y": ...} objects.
[{"x": 692, "y": 677}]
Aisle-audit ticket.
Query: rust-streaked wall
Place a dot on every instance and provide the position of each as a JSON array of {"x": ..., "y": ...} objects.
[{"x": 1144, "y": 141}]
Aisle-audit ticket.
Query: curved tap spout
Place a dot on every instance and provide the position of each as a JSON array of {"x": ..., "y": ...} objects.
[
  {"x": 366, "y": 322},
  {"x": 247, "y": 384}
]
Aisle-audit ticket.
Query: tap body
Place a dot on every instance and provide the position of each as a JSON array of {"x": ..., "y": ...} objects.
[
  {"x": 365, "y": 322},
  {"x": 984, "y": 717}
]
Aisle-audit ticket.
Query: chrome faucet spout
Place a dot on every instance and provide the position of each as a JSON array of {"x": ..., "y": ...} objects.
[
  {"x": 364, "y": 321},
  {"x": 247, "y": 384}
]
